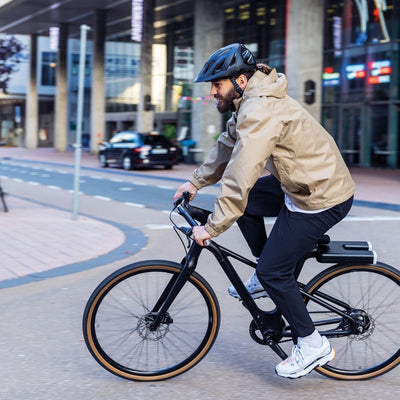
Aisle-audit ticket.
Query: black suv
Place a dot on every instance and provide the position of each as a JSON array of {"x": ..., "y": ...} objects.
[{"x": 134, "y": 150}]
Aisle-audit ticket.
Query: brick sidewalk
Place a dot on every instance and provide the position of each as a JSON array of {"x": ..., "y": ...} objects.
[{"x": 34, "y": 238}]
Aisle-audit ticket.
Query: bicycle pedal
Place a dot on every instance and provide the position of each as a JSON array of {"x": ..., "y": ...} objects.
[{"x": 259, "y": 295}]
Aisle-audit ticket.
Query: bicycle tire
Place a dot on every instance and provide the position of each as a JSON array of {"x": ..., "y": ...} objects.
[
  {"x": 375, "y": 289},
  {"x": 114, "y": 322}
]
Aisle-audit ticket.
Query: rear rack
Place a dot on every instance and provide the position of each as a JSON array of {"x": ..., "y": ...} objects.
[{"x": 339, "y": 252}]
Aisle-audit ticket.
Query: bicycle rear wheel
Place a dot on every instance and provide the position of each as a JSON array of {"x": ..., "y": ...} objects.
[
  {"x": 118, "y": 313},
  {"x": 373, "y": 292}
]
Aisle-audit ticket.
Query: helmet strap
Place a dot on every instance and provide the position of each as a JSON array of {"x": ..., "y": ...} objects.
[{"x": 236, "y": 86}]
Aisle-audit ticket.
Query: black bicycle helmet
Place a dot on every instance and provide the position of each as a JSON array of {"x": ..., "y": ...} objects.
[{"x": 227, "y": 62}]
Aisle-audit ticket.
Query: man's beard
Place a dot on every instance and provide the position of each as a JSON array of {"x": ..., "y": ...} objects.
[{"x": 225, "y": 103}]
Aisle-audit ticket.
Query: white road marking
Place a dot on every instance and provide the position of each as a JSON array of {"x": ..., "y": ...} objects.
[
  {"x": 128, "y": 203},
  {"x": 102, "y": 198},
  {"x": 163, "y": 187},
  {"x": 156, "y": 226}
]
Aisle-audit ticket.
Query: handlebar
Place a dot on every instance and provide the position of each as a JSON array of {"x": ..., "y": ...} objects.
[{"x": 183, "y": 207}]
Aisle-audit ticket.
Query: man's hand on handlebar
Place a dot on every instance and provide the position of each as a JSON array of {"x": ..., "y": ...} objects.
[
  {"x": 200, "y": 235},
  {"x": 186, "y": 187}
]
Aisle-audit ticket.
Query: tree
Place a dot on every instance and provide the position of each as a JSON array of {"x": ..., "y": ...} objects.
[{"x": 10, "y": 56}]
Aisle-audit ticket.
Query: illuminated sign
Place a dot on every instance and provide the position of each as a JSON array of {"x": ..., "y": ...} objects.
[
  {"x": 380, "y": 67},
  {"x": 356, "y": 71},
  {"x": 380, "y": 71},
  {"x": 331, "y": 82},
  {"x": 333, "y": 75},
  {"x": 379, "y": 79},
  {"x": 337, "y": 35},
  {"x": 330, "y": 78},
  {"x": 137, "y": 20},
  {"x": 54, "y": 37}
]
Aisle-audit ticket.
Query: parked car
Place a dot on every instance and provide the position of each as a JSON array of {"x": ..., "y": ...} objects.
[{"x": 134, "y": 150}]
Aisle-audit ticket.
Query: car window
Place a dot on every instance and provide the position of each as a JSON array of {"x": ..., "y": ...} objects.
[
  {"x": 155, "y": 140},
  {"x": 124, "y": 137}
]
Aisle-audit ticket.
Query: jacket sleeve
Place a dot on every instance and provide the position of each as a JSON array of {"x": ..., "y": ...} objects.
[
  {"x": 258, "y": 132},
  {"x": 213, "y": 168}
]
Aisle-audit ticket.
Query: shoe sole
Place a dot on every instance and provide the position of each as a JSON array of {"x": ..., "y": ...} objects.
[
  {"x": 255, "y": 296},
  {"x": 317, "y": 363}
]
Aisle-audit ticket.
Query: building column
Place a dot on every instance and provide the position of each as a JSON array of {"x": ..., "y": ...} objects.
[
  {"x": 32, "y": 100},
  {"x": 61, "y": 99},
  {"x": 145, "y": 115},
  {"x": 208, "y": 37},
  {"x": 97, "y": 102},
  {"x": 304, "y": 50}
]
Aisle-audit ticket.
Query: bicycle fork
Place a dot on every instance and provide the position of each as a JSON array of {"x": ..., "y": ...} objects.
[{"x": 174, "y": 286}]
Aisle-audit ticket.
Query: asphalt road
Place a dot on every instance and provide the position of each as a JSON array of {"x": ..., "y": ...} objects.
[{"x": 42, "y": 352}]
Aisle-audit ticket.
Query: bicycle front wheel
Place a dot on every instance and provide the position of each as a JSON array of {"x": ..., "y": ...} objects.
[
  {"x": 373, "y": 293},
  {"x": 119, "y": 312}
]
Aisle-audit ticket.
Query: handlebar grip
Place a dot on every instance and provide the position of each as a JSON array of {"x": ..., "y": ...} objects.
[
  {"x": 185, "y": 198},
  {"x": 187, "y": 216}
]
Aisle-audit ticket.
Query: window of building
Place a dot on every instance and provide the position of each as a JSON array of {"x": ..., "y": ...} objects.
[
  {"x": 122, "y": 75},
  {"x": 261, "y": 25},
  {"x": 48, "y": 68}
]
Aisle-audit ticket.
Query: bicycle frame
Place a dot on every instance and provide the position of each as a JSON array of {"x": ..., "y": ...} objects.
[{"x": 268, "y": 322}]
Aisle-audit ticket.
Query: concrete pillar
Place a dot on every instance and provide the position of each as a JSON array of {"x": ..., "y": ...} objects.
[
  {"x": 145, "y": 115},
  {"x": 208, "y": 37},
  {"x": 32, "y": 100},
  {"x": 61, "y": 99},
  {"x": 97, "y": 102},
  {"x": 304, "y": 50}
]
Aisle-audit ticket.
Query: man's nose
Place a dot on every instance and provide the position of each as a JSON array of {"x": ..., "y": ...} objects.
[{"x": 213, "y": 91}]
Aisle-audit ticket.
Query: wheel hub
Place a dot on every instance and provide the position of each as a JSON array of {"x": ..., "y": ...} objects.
[
  {"x": 363, "y": 325},
  {"x": 144, "y": 327}
]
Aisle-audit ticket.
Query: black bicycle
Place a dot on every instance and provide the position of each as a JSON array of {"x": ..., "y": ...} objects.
[
  {"x": 2, "y": 192},
  {"x": 155, "y": 319},
  {"x": 2, "y": 199}
]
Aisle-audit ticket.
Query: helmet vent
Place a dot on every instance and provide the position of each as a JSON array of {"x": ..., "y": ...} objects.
[{"x": 233, "y": 61}]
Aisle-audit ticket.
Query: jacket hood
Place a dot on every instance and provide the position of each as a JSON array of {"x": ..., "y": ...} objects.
[{"x": 274, "y": 84}]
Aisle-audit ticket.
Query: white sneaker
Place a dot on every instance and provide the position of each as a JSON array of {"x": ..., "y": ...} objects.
[
  {"x": 304, "y": 359},
  {"x": 253, "y": 286}
]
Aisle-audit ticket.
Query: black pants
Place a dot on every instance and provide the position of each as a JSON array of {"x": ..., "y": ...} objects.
[{"x": 293, "y": 235}]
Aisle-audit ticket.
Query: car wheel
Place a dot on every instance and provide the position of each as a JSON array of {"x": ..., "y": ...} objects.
[
  {"x": 103, "y": 161},
  {"x": 127, "y": 163}
]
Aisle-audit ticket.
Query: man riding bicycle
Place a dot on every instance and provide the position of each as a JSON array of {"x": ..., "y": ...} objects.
[{"x": 309, "y": 188}]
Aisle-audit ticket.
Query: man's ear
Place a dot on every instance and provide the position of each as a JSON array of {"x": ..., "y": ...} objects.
[{"x": 242, "y": 81}]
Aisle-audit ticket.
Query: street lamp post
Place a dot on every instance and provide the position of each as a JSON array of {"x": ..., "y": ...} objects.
[{"x": 79, "y": 118}]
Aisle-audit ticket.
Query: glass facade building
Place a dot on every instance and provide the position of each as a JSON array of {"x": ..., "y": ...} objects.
[
  {"x": 361, "y": 80},
  {"x": 358, "y": 99}
]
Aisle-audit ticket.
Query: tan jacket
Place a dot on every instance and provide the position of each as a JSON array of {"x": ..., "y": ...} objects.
[{"x": 271, "y": 130}]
